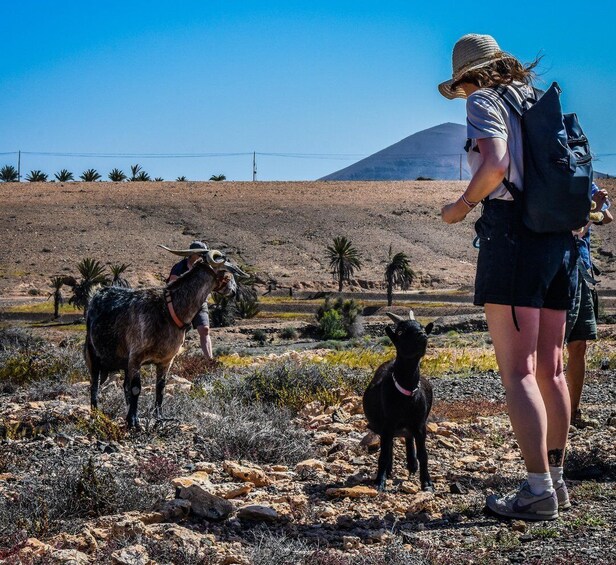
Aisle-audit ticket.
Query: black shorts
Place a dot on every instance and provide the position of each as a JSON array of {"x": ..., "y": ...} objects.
[
  {"x": 581, "y": 320},
  {"x": 519, "y": 267},
  {"x": 202, "y": 318}
]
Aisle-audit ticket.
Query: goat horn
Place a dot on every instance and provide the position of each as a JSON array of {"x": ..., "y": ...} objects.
[
  {"x": 183, "y": 252},
  {"x": 395, "y": 318},
  {"x": 215, "y": 258},
  {"x": 235, "y": 270},
  {"x": 411, "y": 315}
]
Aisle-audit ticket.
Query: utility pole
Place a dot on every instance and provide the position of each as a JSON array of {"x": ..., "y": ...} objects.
[
  {"x": 19, "y": 166},
  {"x": 460, "y": 166},
  {"x": 254, "y": 166}
]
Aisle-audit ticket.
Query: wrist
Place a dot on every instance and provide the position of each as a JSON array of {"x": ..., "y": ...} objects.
[{"x": 470, "y": 204}]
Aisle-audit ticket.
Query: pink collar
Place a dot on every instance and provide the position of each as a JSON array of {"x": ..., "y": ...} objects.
[
  {"x": 402, "y": 389},
  {"x": 174, "y": 316}
]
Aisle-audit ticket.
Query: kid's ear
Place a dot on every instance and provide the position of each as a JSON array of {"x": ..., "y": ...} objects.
[
  {"x": 428, "y": 329},
  {"x": 390, "y": 334}
]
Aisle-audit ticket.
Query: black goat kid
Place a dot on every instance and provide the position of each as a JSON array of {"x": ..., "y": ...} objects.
[{"x": 397, "y": 401}]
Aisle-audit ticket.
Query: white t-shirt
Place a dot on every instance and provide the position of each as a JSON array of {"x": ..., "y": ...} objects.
[{"x": 487, "y": 116}]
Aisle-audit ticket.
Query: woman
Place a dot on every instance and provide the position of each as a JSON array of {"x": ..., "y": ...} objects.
[{"x": 525, "y": 281}]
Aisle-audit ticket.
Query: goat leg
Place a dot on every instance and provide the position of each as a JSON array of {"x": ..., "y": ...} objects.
[
  {"x": 385, "y": 459},
  {"x": 134, "y": 391},
  {"x": 422, "y": 455},
  {"x": 411, "y": 459},
  {"x": 127, "y": 379},
  {"x": 161, "y": 381}
]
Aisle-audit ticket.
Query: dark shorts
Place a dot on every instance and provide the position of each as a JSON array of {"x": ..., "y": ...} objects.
[
  {"x": 581, "y": 320},
  {"x": 519, "y": 267},
  {"x": 202, "y": 318}
]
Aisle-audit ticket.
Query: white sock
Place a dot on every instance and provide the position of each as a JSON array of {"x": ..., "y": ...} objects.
[
  {"x": 539, "y": 482},
  {"x": 557, "y": 475}
]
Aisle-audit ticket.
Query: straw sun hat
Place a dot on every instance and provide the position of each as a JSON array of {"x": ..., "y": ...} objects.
[{"x": 470, "y": 52}]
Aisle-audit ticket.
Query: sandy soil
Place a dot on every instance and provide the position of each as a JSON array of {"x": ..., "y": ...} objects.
[{"x": 279, "y": 229}]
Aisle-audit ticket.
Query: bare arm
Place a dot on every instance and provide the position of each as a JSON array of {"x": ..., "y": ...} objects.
[
  {"x": 172, "y": 278},
  {"x": 489, "y": 175}
]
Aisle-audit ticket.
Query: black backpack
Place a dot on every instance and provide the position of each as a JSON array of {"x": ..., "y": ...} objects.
[{"x": 556, "y": 195}]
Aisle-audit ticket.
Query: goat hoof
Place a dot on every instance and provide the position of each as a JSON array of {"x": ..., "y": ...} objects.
[
  {"x": 380, "y": 486},
  {"x": 133, "y": 423},
  {"x": 428, "y": 488}
]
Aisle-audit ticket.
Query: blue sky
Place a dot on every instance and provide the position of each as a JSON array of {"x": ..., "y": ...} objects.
[{"x": 341, "y": 79}]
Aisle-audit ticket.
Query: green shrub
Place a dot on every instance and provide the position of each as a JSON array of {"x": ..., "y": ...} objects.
[
  {"x": 222, "y": 311},
  {"x": 260, "y": 336},
  {"x": 331, "y": 325},
  {"x": 288, "y": 333},
  {"x": 247, "y": 307},
  {"x": 347, "y": 323}
]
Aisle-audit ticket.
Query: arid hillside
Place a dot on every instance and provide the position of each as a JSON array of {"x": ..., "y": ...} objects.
[{"x": 278, "y": 229}]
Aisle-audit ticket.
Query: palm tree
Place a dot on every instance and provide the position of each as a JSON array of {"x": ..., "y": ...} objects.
[
  {"x": 92, "y": 274},
  {"x": 116, "y": 175},
  {"x": 64, "y": 175},
  {"x": 181, "y": 179},
  {"x": 344, "y": 259},
  {"x": 138, "y": 174},
  {"x": 142, "y": 176},
  {"x": 8, "y": 173},
  {"x": 117, "y": 279},
  {"x": 397, "y": 273},
  {"x": 218, "y": 177},
  {"x": 57, "y": 283},
  {"x": 158, "y": 179},
  {"x": 37, "y": 176},
  {"x": 91, "y": 175}
]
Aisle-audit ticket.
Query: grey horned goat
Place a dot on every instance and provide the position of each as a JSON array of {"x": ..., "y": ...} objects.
[
  {"x": 127, "y": 328},
  {"x": 397, "y": 401}
]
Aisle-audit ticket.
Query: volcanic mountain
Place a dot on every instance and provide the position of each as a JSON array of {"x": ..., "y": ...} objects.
[{"x": 433, "y": 153}]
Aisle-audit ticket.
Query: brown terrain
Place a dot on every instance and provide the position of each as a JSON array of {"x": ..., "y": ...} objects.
[{"x": 278, "y": 229}]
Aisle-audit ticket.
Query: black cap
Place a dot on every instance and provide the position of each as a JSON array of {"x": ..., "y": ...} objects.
[{"x": 198, "y": 245}]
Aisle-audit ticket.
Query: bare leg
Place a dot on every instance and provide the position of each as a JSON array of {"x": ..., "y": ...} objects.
[
  {"x": 206, "y": 342},
  {"x": 552, "y": 383},
  {"x": 516, "y": 354},
  {"x": 576, "y": 370}
]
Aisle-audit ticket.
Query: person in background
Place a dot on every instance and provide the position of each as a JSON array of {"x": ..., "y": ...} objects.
[
  {"x": 531, "y": 274},
  {"x": 201, "y": 322},
  {"x": 582, "y": 318}
]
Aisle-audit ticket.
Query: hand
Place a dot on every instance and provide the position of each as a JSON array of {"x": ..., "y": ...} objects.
[
  {"x": 454, "y": 212},
  {"x": 600, "y": 198}
]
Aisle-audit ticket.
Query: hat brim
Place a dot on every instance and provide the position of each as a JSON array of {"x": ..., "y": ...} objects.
[
  {"x": 184, "y": 252},
  {"x": 445, "y": 88}
]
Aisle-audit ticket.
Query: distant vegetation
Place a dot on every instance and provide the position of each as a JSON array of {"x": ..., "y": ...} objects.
[
  {"x": 8, "y": 173},
  {"x": 398, "y": 273},
  {"x": 344, "y": 260}
]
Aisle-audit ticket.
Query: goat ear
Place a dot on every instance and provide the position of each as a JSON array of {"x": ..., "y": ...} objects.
[
  {"x": 390, "y": 334},
  {"x": 428, "y": 329}
]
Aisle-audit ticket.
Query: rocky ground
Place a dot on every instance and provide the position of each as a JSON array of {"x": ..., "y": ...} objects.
[{"x": 272, "y": 463}]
